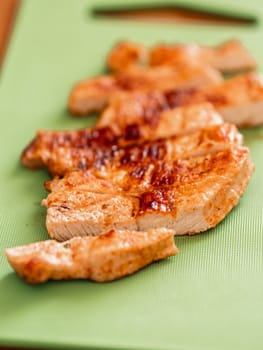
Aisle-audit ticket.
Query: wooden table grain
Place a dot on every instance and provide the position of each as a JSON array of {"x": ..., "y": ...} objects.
[{"x": 8, "y": 11}]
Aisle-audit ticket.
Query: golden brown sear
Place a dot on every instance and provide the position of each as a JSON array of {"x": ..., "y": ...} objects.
[
  {"x": 93, "y": 95},
  {"x": 112, "y": 255},
  {"x": 61, "y": 151},
  {"x": 229, "y": 57},
  {"x": 187, "y": 195},
  {"x": 68, "y": 157},
  {"x": 239, "y": 100}
]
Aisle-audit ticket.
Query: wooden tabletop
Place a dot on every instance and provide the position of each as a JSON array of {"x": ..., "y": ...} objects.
[{"x": 8, "y": 11}]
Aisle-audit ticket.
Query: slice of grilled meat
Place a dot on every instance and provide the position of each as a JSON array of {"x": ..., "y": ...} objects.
[
  {"x": 239, "y": 100},
  {"x": 229, "y": 57},
  {"x": 92, "y": 95},
  {"x": 60, "y": 159},
  {"x": 61, "y": 150},
  {"x": 155, "y": 115},
  {"x": 187, "y": 195},
  {"x": 112, "y": 255}
]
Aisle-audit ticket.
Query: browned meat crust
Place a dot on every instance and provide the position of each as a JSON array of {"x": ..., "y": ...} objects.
[
  {"x": 60, "y": 151},
  {"x": 110, "y": 256},
  {"x": 230, "y": 56},
  {"x": 93, "y": 95},
  {"x": 64, "y": 158},
  {"x": 188, "y": 195},
  {"x": 239, "y": 100}
]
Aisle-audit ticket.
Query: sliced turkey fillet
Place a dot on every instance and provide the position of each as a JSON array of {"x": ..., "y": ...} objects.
[
  {"x": 154, "y": 117},
  {"x": 112, "y": 255},
  {"x": 209, "y": 139},
  {"x": 92, "y": 95},
  {"x": 64, "y": 158},
  {"x": 239, "y": 100},
  {"x": 59, "y": 150},
  {"x": 188, "y": 195},
  {"x": 229, "y": 57}
]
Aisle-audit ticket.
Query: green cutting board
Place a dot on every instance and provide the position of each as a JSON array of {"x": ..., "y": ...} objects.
[{"x": 209, "y": 297}]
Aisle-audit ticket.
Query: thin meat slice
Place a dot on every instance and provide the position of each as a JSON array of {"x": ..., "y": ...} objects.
[
  {"x": 64, "y": 150},
  {"x": 112, "y": 255},
  {"x": 199, "y": 142},
  {"x": 229, "y": 57},
  {"x": 239, "y": 100},
  {"x": 155, "y": 117},
  {"x": 62, "y": 159},
  {"x": 187, "y": 195},
  {"x": 92, "y": 95}
]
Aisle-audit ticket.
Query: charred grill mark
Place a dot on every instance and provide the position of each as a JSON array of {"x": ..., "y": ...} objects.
[
  {"x": 155, "y": 105},
  {"x": 132, "y": 132},
  {"x": 130, "y": 156},
  {"x": 162, "y": 175},
  {"x": 169, "y": 173},
  {"x": 139, "y": 172},
  {"x": 155, "y": 151},
  {"x": 98, "y": 157},
  {"x": 158, "y": 103},
  {"x": 104, "y": 136},
  {"x": 80, "y": 158},
  {"x": 147, "y": 152},
  {"x": 102, "y": 157},
  {"x": 159, "y": 200},
  {"x": 217, "y": 100},
  {"x": 152, "y": 113},
  {"x": 64, "y": 207},
  {"x": 100, "y": 162},
  {"x": 179, "y": 97},
  {"x": 86, "y": 158},
  {"x": 83, "y": 138}
]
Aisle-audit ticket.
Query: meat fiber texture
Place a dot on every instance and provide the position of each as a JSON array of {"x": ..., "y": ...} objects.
[{"x": 112, "y": 255}]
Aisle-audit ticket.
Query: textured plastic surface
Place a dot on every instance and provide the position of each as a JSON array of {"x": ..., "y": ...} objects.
[{"x": 209, "y": 297}]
